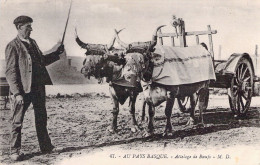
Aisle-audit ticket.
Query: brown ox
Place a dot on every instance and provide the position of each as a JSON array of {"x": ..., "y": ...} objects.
[
  {"x": 122, "y": 74},
  {"x": 156, "y": 93}
]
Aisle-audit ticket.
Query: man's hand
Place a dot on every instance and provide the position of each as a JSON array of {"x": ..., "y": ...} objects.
[
  {"x": 60, "y": 49},
  {"x": 19, "y": 99}
]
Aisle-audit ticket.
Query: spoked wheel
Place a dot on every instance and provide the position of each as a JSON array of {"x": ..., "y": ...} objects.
[
  {"x": 241, "y": 89},
  {"x": 184, "y": 104}
]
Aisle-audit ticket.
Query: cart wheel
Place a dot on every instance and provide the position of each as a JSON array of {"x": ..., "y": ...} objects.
[
  {"x": 241, "y": 88},
  {"x": 184, "y": 104}
]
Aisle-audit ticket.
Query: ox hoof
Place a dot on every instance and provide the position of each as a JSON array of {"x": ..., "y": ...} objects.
[
  {"x": 133, "y": 129},
  {"x": 148, "y": 134},
  {"x": 236, "y": 116},
  {"x": 112, "y": 130},
  {"x": 167, "y": 133},
  {"x": 191, "y": 122},
  {"x": 200, "y": 125},
  {"x": 144, "y": 120}
]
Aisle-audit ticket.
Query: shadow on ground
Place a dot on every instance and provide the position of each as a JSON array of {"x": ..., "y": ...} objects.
[{"x": 215, "y": 120}]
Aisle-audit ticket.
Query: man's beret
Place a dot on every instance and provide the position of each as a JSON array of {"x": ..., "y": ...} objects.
[{"x": 23, "y": 19}]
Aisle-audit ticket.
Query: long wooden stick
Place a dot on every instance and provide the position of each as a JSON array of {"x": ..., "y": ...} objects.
[{"x": 66, "y": 24}]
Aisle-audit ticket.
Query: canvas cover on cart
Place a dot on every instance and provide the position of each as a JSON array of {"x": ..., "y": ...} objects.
[{"x": 182, "y": 65}]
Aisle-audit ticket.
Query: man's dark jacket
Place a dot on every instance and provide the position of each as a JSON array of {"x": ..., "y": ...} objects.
[{"x": 19, "y": 66}]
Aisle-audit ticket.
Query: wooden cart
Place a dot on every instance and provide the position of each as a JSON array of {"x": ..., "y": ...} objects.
[
  {"x": 237, "y": 74},
  {"x": 4, "y": 92}
]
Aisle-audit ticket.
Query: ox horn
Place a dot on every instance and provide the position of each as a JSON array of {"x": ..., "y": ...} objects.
[
  {"x": 85, "y": 45},
  {"x": 154, "y": 38},
  {"x": 110, "y": 46},
  {"x": 121, "y": 43},
  {"x": 80, "y": 43}
]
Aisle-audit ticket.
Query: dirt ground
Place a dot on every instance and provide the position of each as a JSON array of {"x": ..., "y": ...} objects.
[{"x": 78, "y": 123}]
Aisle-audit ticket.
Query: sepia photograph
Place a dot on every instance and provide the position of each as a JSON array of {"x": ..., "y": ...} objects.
[{"x": 129, "y": 82}]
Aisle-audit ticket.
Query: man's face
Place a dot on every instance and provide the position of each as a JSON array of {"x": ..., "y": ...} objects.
[{"x": 25, "y": 30}]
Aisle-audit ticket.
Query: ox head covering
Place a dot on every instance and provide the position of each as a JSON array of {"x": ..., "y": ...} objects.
[{"x": 22, "y": 20}]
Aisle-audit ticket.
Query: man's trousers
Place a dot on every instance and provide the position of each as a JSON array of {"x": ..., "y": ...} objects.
[{"x": 37, "y": 98}]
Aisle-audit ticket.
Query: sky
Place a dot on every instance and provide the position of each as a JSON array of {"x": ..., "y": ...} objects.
[{"x": 237, "y": 21}]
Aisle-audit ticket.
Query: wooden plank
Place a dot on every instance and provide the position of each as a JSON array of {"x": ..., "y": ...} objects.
[
  {"x": 256, "y": 57},
  {"x": 172, "y": 39},
  {"x": 221, "y": 61},
  {"x": 210, "y": 42},
  {"x": 197, "y": 40},
  {"x": 167, "y": 35},
  {"x": 201, "y": 32},
  {"x": 219, "y": 52},
  {"x": 183, "y": 33},
  {"x": 188, "y": 33},
  {"x": 180, "y": 36}
]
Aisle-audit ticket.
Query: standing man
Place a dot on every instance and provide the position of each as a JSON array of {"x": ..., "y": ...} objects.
[{"x": 27, "y": 76}]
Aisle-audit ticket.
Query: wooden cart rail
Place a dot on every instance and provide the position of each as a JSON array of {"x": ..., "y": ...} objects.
[{"x": 179, "y": 25}]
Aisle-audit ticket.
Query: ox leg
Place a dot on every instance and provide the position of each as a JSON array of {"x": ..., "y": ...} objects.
[
  {"x": 193, "y": 99},
  {"x": 151, "y": 120},
  {"x": 132, "y": 111},
  {"x": 143, "y": 108},
  {"x": 203, "y": 104},
  {"x": 168, "y": 113},
  {"x": 115, "y": 111},
  {"x": 6, "y": 99}
]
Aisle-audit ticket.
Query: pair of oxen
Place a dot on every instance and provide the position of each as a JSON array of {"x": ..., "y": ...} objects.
[{"x": 129, "y": 72}]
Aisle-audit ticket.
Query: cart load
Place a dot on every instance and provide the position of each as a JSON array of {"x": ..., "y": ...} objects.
[{"x": 182, "y": 65}]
